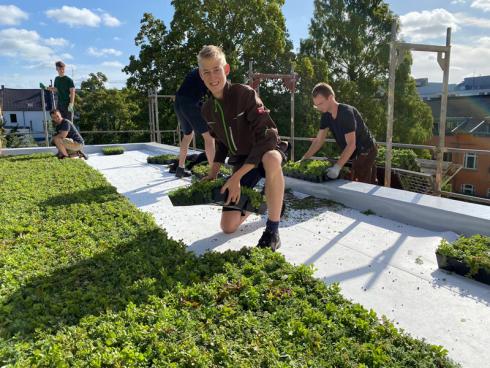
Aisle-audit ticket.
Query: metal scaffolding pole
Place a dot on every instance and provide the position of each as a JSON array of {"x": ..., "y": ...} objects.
[
  {"x": 157, "y": 123},
  {"x": 45, "y": 125},
  {"x": 444, "y": 64},
  {"x": 292, "y": 115},
  {"x": 150, "y": 117},
  {"x": 399, "y": 47},
  {"x": 391, "y": 106}
]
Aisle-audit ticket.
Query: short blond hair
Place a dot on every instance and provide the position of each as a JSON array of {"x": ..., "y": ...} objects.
[
  {"x": 211, "y": 52},
  {"x": 323, "y": 89}
]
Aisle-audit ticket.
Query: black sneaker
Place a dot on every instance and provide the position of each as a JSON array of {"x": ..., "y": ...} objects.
[
  {"x": 180, "y": 172},
  {"x": 81, "y": 154},
  {"x": 270, "y": 240}
]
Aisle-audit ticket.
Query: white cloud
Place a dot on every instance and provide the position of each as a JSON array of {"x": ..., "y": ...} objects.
[
  {"x": 454, "y": 2},
  {"x": 74, "y": 17},
  {"x": 11, "y": 15},
  {"x": 426, "y": 25},
  {"x": 465, "y": 20},
  {"x": 113, "y": 64},
  {"x": 24, "y": 44},
  {"x": 432, "y": 24},
  {"x": 66, "y": 56},
  {"x": 78, "y": 17},
  {"x": 110, "y": 21},
  {"x": 481, "y": 4},
  {"x": 117, "y": 39},
  {"x": 56, "y": 42},
  {"x": 103, "y": 52},
  {"x": 468, "y": 59}
]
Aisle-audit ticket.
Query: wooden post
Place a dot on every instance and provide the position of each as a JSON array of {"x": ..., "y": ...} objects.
[
  {"x": 444, "y": 64},
  {"x": 157, "y": 122},
  {"x": 391, "y": 105},
  {"x": 250, "y": 74},
  {"x": 292, "y": 114},
  {"x": 43, "y": 102}
]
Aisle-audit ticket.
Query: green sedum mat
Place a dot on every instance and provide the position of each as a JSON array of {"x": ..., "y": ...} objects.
[{"x": 88, "y": 280}]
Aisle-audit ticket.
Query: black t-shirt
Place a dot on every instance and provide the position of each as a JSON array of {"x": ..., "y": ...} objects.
[
  {"x": 193, "y": 86},
  {"x": 67, "y": 126},
  {"x": 348, "y": 120}
]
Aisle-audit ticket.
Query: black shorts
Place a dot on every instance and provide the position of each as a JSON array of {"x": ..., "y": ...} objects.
[
  {"x": 251, "y": 178},
  {"x": 188, "y": 113}
]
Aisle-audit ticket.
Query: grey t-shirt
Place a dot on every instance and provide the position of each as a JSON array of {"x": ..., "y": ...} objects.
[
  {"x": 67, "y": 126},
  {"x": 348, "y": 120}
]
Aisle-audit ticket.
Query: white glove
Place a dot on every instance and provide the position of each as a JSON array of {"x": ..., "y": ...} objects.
[
  {"x": 70, "y": 107},
  {"x": 333, "y": 172}
]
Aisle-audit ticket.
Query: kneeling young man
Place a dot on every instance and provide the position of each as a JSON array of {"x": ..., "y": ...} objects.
[
  {"x": 67, "y": 139},
  {"x": 244, "y": 131},
  {"x": 350, "y": 132}
]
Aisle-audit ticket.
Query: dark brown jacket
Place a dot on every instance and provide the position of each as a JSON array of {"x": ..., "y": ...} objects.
[{"x": 240, "y": 124}]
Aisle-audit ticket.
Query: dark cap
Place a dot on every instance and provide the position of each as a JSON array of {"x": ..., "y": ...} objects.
[{"x": 59, "y": 64}]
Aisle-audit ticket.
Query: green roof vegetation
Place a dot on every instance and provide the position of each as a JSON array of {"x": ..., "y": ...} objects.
[{"x": 89, "y": 280}]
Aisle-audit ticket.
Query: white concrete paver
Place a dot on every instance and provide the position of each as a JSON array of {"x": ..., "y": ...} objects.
[{"x": 382, "y": 264}]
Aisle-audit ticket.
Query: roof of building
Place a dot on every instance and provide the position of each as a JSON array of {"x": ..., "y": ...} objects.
[
  {"x": 475, "y": 127},
  {"x": 12, "y": 99},
  {"x": 469, "y": 87}
]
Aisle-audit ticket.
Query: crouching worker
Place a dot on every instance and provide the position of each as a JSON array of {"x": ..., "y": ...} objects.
[
  {"x": 67, "y": 139},
  {"x": 350, "y": 132},
  {"x": 244, "y": 131}
]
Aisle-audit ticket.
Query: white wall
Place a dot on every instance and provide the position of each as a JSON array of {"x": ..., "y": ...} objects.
[{"x": 32, "y": 120}]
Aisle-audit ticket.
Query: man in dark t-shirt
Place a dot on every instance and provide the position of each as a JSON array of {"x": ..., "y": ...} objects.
[
  {"x": 67, "y": 139},
  {"x": 350, "y": 132},
  {"x": 65, "y": 88},
  {"x": 188, "y": 101}
]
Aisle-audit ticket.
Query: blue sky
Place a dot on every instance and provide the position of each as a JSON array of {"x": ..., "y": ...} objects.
[{"x": 93, "y": 36}]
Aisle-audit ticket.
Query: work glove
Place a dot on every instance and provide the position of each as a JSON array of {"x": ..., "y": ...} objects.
[
  {"x": 42, "y": 86},
  {"x": 333, "y": 172},
  {"x": 70, "y": 107}
]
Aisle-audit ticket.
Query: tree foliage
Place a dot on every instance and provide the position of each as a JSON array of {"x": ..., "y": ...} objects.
[
  {"x": 353, "y": 37},
  {"x": 106, "y": 109}
]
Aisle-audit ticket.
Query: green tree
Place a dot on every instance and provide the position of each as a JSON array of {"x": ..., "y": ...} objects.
[
  {"x": 103, "y": 109},
  {"x": 353, "y": 37},
  {"x": 247, "y": 30}
]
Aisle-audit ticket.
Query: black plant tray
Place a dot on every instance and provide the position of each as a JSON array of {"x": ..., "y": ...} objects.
[
  {"x": 452, "y": 264},
  {"x": 216, "y": 198},
  {"x": 243, "y": 204},
  {"x": 194, "y": 200}
]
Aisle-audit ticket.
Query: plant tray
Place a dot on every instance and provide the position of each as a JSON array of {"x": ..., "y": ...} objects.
[
  {"x": 452, "y": 264},
  {"x": 215, "y": 197}
]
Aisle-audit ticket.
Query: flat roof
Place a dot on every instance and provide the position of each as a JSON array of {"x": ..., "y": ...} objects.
[{"x": 385, "y": 265}]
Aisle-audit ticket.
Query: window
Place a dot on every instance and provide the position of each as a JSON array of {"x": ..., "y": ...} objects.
[
  {"x": 468, "y": 189},
  {"x": 448, "y": 156},
  {"x": 470, "y": 160},
  {"x": 488, "y": 193},
  {"x": 13, "y": 118}
]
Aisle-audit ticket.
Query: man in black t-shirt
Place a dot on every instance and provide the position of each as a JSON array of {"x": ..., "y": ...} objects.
[
  {"x": 67, "y": 139},
  {"x": 350, "y": 132}
]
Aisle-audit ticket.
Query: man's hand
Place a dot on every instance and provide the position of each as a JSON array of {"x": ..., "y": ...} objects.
[
  {"x": 233, "y": 186},
  {"x": 70, "y": 107},
  {"x": 333, "y": 172}
]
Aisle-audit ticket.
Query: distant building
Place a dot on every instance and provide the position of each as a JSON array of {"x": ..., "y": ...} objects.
[
  {"x": 22, "y": 110},
  {"x": 467, "y": 126}
]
